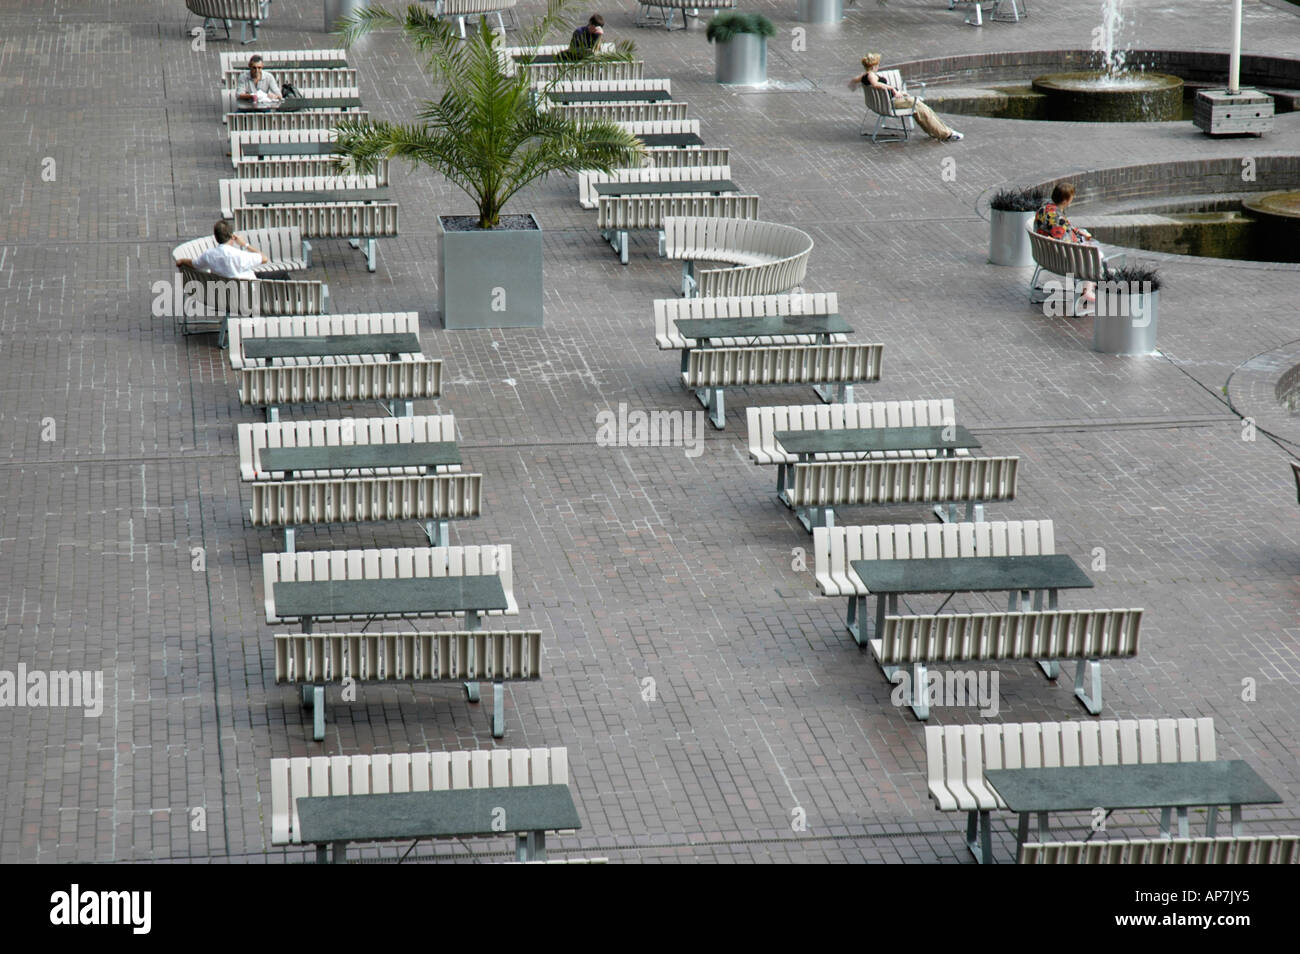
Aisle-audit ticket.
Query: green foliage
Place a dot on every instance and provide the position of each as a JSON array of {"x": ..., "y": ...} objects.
[
  {"x": 731, "y": 23},
  {"x": 1135, "y": 275},
  {"x": 1017, "y": 200},
  {"x": 488, "y": 132}
]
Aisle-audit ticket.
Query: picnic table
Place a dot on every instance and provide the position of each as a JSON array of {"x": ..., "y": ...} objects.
[
  {"x": 1018, "y": 575},
  {"x": 295, "y": 104},
  {"x": 671, "y": 139},
  {"x": 298, "y": 196},
  {"x": 315, "y": 346},
  {"x": 759, "y": 326},
  {"x": 1164, "y": 785},
  {"x": 610, "y": 96},
  {"x": 427, "y": 454},
  {"x": 675, "y": 187},
  {"x": 471, "y": 595},
  {"x": 269, "y": 65},
  {"x": 527, "y": 811},
  {"x": 262, "y": 150}
]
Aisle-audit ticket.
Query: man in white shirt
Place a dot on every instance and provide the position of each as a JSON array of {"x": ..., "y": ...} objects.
[
  {"x": 232, "y": 257},
  {"x": 258, "y": 81}
]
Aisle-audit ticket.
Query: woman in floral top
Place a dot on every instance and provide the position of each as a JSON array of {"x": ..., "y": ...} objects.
[{"x": 1050, "y": 220}]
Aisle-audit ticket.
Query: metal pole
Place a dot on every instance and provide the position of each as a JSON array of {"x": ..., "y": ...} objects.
[{"x": 1234, "y": 63}]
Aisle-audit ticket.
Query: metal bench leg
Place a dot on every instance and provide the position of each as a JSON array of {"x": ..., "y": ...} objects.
[
  {"x": 782, "y": 478},
  {"x": 306, "y": 253},
  {"x": 1090, "y": 702},
  {"x": 318, "y": 714},
  {"x": 813, "y": 517},
  {"x": 521, "y": 847},
  {"x": 920, "y": 691},
  {"x": 974, "y": 512},
  {"x": 688, "y": 278},
  {"x": 1164, "y": 822},
  {"x": 437, "y": 532},
  {"x": 1235, "y": 811},
  {"x": 853, "y": 621},
  {"x": 1052, "y": 669},
  {"x": 1183, "y": 831},
  {"x": 472, "y": 691},
  {"x": 340, "y": 854},
  {"x": 322, "y": 854},
  {"x": 472, "y": 622},
  {"x": 1211, "y": 821},
  {"x": 981, "y": 848},
  {"x": 538, "y": 840},
  {"x": 947, "y": 513},
  {"x": 1033, "y": 287},
  {"x": 712, "y": 399},
  {"x": 288, "y": 540},
  {"x": 498, "y": 710},
  {"x": 663, "y": 244},
  {"x": 370, "y": 255},
  {"x": 354, "y": 242}
]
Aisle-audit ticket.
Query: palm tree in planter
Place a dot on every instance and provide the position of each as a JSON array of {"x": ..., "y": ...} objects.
[{"x": 490, "y": 133}]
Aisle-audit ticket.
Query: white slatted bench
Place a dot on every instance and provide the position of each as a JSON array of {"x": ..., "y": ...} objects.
[
  {"x": 514, "y": 57},
  {"x": 835, "y": 549},
  {"x": 540, "y": 74},
  {"x": 314, "y": 497},
  {"x": 588, "y": 179},
  {"x": 763, "y": 423},
  {"x": 249, "y": 13},
  {"x": 360, "y": 223},
  {"x": 563, "y": 861},
  {"x": 669, "y": 311},
  {"x": 1047, "y": 637},
  {"x": 389, "y": 564},
  {"x": 394, "y": 379},
  {"x": 238, "y": 59},
  {"x": 616, "y": 215},
  {"x": 1082, "y": 263},
  {"x": 710, "y": 371},
  {"x": 767, "y": 258},
  {"x": 230, "y": 102},
  {"x": 239, "y": 142},
  {"x": 292, "y": 779},
  {"x": 662, "y": 127},
  {"x": 880, "y": 103},
  {"x": 621, "y": 112},
  {"x": 652, "y": 12},
  {"x": 318, "y": 119},
  {"x": 820, "y": 486},
  {"x": 556, "y": 89},
  {"x": 958, "y": 755},
  {"x": 295, "y": 167},
  {"x": 312, "y": 661},
  {"x": 284, "y": 248},
  {"x": 298, "y": 77},
  {"x": 460, "y": 9},
  {"x": 672, "y": 157},
  {"x": 1237, "y": 850}
]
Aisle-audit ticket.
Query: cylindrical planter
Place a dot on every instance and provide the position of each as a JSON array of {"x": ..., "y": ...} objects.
[
  {"x": 1125, "y": 321},
  {"x": 334, "y": 9},
  {"x": 742, "y": 60},
  {"x": 1009, "y": 238},
  {"x": 821, "y": 11}
]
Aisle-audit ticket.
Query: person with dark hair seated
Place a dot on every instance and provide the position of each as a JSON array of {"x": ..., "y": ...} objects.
[
  {"x": 1050, "y": 220},
  {"x": 232, "y": 257},
  {"x": 587, "y": 39}
]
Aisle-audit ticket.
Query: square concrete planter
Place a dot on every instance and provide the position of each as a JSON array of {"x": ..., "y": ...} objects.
[{"x": 490, "y": 278}]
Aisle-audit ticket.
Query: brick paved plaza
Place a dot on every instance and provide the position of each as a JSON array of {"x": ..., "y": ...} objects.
[{"x": 120, "y": 463}]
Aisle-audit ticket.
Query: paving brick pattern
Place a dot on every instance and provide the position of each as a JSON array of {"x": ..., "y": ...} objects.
[{"x": 119, "y": 463}]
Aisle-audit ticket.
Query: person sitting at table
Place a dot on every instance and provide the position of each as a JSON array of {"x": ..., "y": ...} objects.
[
  {"x": 1050, "y": 220},
  {"x": 258, "y": 81},
  {"x": 231, "y": 257},
  {"x": 925, "y": 116},
  {"x": 586, "y": 39}
]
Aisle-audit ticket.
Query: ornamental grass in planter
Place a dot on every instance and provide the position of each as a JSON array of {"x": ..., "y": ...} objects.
[
  {"x": 491, "y": 134},
  {"x": 1011, "y": 212},
  {"x": 741, "y": 40},
  {"x": 1128, "y": 311}
]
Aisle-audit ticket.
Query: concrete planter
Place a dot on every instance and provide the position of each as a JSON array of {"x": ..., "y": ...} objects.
[
  {"x": 334, "y": 9},
  {"x": 821, "y": 11},
  {"x": 490, "y": 278},
  {"x": 742, "y": 60},
  {"x": 1126, "y": 322},
  {"x": 1009, "y": 238}
]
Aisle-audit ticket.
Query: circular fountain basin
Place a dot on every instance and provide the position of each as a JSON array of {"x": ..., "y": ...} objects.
[
  {"x": 1094, "y": 97},
  {"x": 1278, "y": 217}
]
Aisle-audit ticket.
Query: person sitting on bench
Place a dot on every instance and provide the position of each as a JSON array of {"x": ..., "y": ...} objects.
[
  {"x": 1050, "y": 220},
  {"x": 586, "y": 39},
  {"x": 258, "y": 81},
  {"x": 232, "y": 257},
  {"x": 925, "y": 116}
]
